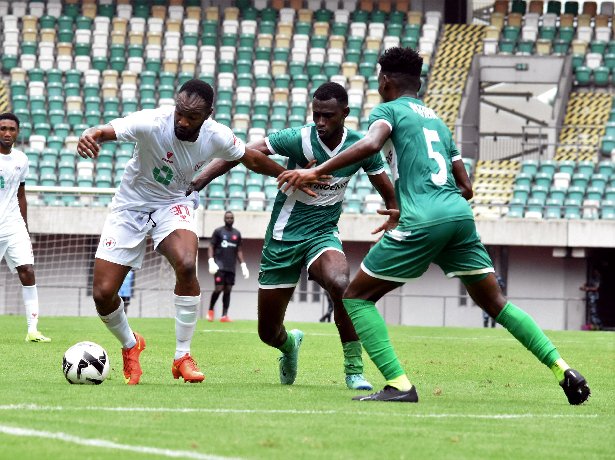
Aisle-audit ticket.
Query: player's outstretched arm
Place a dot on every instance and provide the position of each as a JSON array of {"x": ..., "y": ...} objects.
[
  {"x": 214, "y": 169},
  {"x": 372, "y": 143},
  {"x": 262, "y": 164},
  {"x": 462, "y": 179},
  {"x": 218, "y": 167},
  {"x": 90, "y": 140}
]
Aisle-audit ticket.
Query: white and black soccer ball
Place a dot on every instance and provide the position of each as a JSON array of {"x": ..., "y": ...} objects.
[{"x": 86, "y": 363}]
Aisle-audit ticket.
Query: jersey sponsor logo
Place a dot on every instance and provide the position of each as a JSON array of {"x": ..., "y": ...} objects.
[
  {"x": 235, "y": 140},
  {"x": 338, "y": 186},
  {"x": 163, "y": 175},
  {"x": 169, "y": 158},
  {"x": 182, "y": 211},
  {"x": 234, "y": 237},
  {"x": 109, "y": 242},
  {"x": 227, "y": 244}
]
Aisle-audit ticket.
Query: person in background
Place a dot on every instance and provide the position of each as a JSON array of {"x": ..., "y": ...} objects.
[
  {"x": 224, "y": 251},
  {"x": 127, "y": 288},
  {"x": 592, "y": 294},
  {"x": 15, "y": 245}
]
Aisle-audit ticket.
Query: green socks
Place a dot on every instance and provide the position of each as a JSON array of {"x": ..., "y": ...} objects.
[
  {"x": 374, "y": 336},
  {"x": 525, "y": 330},
  {"x": 289, "y": 345},
  {"x": 353, "y": 363}
]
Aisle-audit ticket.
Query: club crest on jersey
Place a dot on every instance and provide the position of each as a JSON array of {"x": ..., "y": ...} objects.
[
  {"x": 109, "y": 242},
  {"x": 169, "y": 158},
  {"x": 198, "y": 165}
]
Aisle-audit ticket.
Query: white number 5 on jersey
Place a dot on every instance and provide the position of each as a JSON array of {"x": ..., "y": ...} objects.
[{"x": 441, "y": 176}]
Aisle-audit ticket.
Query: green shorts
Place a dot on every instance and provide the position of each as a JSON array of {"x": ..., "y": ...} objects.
[
  {"x": 454, "y": 246},
  {"x": 282, "y": 261}
]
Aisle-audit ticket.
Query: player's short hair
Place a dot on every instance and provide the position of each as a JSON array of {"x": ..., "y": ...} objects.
[
  {"x": 200, "y": 88},
  {"x": 9, "y": 116},
  {"x": 332, "y": 90},
  {"x": 398, "y": 60}
]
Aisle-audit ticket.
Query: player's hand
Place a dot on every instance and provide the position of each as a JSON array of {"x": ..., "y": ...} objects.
[
  {"x": 244, "y": 271},
  {"x": 213, "y": 266},
  {"x": 390, "y": 223},
  {"x": 88, "y": 147},
  {"x": 300, "y": 179},
  {"x": 195, "y": 186}
]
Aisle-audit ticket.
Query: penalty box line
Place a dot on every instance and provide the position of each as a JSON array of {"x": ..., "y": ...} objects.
[{"x": 104, "y": 444}]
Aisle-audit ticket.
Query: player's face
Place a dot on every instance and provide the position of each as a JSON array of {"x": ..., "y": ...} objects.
[
  {"x": 191, "y": 111},
  {"x": 229, "y": 219},
  {"x": 8, "y": 133},
  {"x": 328, "y": 117}
]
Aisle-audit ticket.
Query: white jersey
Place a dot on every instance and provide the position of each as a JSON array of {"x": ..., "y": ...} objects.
[
  {"x": 162, "y": 166},
  {"x": 13, "y": 172}
]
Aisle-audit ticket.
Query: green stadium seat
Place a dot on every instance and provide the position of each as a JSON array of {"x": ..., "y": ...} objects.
[
  {"x": 554, "y": 7},
  {"x": 516, "y": 208},
  {"x": 566, "y": 166},
  {"x": 583, "y": 75},
  {"x": 523, "y": 179},
  {"x": 601, "y": 76},
  {"x": 529, "y": 167},
  {"x": 586, "y": 167},
  {"x": 606, "y": 168},
  {"x": 553, "y": 209}
]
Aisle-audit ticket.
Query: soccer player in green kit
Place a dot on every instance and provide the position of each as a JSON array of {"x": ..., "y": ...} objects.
[
  {"x": 436, "y": 225},
  {"x": 303, "y": 229}
]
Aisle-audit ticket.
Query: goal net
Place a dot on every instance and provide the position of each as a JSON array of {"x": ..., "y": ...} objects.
[{"x": 64, "y": 241}]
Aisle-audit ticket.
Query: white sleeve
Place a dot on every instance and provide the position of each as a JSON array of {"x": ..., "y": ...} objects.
[
  {"x": 227, "y": 146},
  {"x": 133, "y": 127}
]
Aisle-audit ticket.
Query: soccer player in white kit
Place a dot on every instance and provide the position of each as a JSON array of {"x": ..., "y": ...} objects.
[
  {"x": 15, "y": 245},
  {"x": 172, "y": 143}
]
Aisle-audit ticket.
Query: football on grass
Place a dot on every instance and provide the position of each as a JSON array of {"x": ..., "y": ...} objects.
[{"x": 86, "y": 363}]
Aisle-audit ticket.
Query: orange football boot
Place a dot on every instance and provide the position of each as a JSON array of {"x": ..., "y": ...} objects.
[
  {"x": 132, "y": 367},
  {"x": 210, "y": 315},
  {"x": 186, "y": 368}
]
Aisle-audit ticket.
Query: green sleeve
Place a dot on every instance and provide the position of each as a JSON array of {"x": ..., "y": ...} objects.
[
  {"x": 286, "y": 142},
  {"x": 373, "y": 164},
  {"x": 382, "y": 112}
]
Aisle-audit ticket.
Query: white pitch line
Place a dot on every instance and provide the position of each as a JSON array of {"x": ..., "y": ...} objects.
[
  {"x": 34, "y": 407},
  {"x": 102, "y": 443},
  {"x": 407, "y": 337}
]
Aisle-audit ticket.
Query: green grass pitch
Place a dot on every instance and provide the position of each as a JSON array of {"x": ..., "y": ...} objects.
[{"x": 482, "y": 395}]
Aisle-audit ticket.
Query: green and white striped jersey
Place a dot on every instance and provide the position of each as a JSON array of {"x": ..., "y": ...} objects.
[
  {"x": 420, "y": 152},
  {"x": 298, "y": 216}
]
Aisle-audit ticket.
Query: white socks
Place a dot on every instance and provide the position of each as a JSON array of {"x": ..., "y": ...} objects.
[
  {"x": 30, "y": 300},
  {"x": 185, "y": 322},
  {"x": 117, "y": 323}
]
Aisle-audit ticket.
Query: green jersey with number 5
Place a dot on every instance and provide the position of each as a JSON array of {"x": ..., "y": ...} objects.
[{"x": 420, "y": 151}]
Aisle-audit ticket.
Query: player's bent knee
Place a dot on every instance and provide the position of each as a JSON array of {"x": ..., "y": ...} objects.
[
  {"x": 103, "y": 295},
  {"x": 185, "y": 269}
]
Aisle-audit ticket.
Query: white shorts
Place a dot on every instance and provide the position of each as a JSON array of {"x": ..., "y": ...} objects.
[
  {"x": 124, "y": 234},
  {"x": 16, "y": 248}
]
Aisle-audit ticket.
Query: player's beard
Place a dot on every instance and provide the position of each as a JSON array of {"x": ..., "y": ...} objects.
[{"x": 182, "y": 134}]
